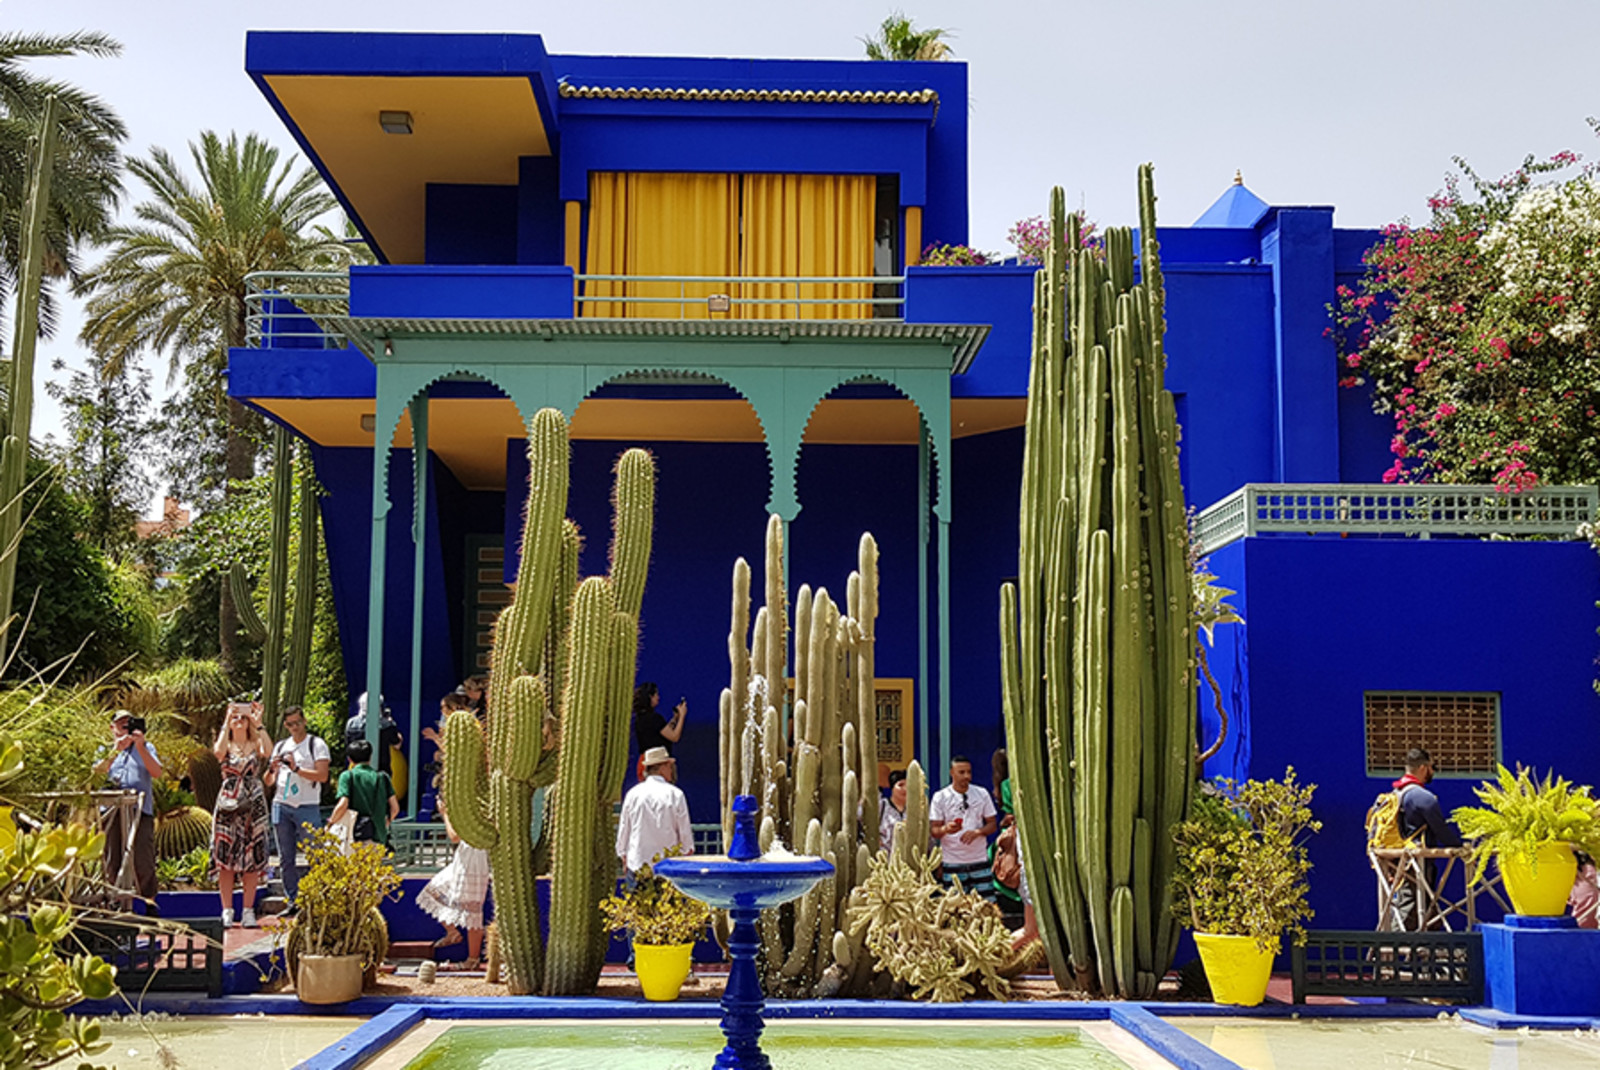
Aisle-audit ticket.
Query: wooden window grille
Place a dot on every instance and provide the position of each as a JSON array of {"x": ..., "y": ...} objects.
[
  {"x": 487, "y": 595},
  {"x": 894, "y": 723},
  {"x": 1459, "y": 730}
]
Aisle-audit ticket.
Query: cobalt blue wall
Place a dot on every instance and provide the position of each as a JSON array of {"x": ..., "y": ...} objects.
[
  {"x": 1329, "y": 619},
  {"x": 999, "y": 296},
  {"x": 470, "y": 224},
  {"x": 346, "y": 475},
  {"x": 470, "y": 291},
  {"x": 540, "y": 223}
]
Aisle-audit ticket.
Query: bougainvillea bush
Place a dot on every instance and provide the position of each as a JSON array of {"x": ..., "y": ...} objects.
[{"x": 1479, "y": 332}]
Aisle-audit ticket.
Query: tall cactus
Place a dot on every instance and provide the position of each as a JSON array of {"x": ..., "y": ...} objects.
[
  {"x": 1097, "y": 635},
  {"x": 563, "y": 662},
  {"x": 818, "y": 793}
]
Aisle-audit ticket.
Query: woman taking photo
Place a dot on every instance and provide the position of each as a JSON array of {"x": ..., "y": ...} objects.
[{"x": 239, "y": 826}]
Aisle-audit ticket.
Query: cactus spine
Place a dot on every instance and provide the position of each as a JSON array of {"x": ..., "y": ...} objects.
[
  {"x": 563, "y": 660},
  {"x": 819, "y": 792},
  {"x": 1097, "y": 636}
]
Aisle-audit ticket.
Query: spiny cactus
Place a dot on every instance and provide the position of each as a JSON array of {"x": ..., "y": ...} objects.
[
  {"x": 563, "y": 665},
  {"x": 818, "y": 793},
  {"x": 181, "y": 830},
  {"x": 1097, "y": 637}
]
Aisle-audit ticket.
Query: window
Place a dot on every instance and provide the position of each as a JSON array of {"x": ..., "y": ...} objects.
[{"x": 1459, "y": 730}]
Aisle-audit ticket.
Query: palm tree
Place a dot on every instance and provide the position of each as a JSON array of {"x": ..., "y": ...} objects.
[
  {"x": 898, "y": 38},
  {"x": 88, "y": 168},
  {"x": 174, "y": 280}
]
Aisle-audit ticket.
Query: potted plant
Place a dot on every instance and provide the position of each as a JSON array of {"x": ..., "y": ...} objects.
[
  {"x": 1241, "y": 879},
  {"x": 337, "y": 936},
  {"x": 1530, "y": 827},
  {"x": 664, "y": 924}
]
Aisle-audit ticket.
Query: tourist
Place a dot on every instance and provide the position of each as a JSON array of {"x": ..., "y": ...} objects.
[
  {"x": 455, "y": 896},
  {"x": 240, "y": 822},
  {"x": 650, "y": 729},
  {"x": 368, "y": 794},
  {"x": 961, "y": 817},
  {"x": 1003, "y": 852},
  {"x": 655, "y": 815},
  {"x": 132, "y": 764},
  {"x": 389, "y": 737},
  {"x": 1422, "y": 821},
  {"x": 476, "y": 690},
  {"x": 298, "y": 769},
  {"x": 892, "y": 808}
]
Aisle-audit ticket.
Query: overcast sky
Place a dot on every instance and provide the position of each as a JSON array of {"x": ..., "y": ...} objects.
[{"x": 1359, "y": 104}]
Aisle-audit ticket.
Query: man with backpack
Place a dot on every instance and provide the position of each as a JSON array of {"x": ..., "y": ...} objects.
[{"x": 1411, "y": 815}]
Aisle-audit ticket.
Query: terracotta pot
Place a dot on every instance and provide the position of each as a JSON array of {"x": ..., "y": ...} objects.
[
  {"x": 328, "y": 978},
  {"x": 662, "y": 969},
  {"x": 1236, "y": 967},
  {"x": 1540, "y": 885}
]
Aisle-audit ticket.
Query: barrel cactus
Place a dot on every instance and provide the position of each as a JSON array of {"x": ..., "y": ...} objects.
[
  {"x": 180, "y": 830},
  {"x": 1097, "y": 635},
  {"x": 820, "y": 792},
  {"x": 563, "y": 666}
]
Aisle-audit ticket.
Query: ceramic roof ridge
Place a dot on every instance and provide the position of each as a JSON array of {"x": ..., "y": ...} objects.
[{"x": 731, "y": 94}]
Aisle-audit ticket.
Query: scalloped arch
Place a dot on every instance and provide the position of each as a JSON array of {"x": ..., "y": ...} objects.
[{"x": 400, "y": 386}]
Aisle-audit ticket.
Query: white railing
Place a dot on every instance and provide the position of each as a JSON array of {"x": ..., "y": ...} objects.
[
  {"x": 1418, "y": 510},
  {"x": 283, "y": 308},
  {"x": 724, "y": 296}
]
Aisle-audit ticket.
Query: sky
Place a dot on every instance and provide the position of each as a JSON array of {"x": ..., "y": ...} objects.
[{"x": 1361, "y": 105}]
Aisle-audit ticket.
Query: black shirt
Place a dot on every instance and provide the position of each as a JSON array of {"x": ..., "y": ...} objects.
[{"x": 647, "y": 726}]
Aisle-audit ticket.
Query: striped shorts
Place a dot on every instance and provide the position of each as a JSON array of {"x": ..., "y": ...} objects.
[{"x": 975, "y": 877}]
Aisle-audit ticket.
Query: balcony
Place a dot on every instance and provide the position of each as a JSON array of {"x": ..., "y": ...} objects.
[
  {"x": 1419, "y": 511},
  {"x": 312, "y": 309}
]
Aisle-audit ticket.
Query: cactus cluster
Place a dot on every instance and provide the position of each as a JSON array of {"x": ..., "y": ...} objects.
[
  {"x": 1097, "y": 637},
  {"x": 563, "y": 665},
  {"x": 817, "y": 785}
]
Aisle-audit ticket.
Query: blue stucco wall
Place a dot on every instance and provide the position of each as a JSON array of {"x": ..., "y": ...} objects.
[
  {"x": 468, "y": 291},
  {"x": 471, "y": 224},
  {"x": 1329, "y": 619}
]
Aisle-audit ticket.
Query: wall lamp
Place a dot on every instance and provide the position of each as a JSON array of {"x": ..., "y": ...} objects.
[
  {"x": 395, "y": 122},
  {"x": 369, "y": 422}
]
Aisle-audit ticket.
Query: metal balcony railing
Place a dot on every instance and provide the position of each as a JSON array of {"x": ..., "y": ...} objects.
[
  {"x": 288, "y": 309},
  {"x": 740, "y": 297},
  {"x": 1418, "y": 510},
  {"x": 298, "y": 309}
]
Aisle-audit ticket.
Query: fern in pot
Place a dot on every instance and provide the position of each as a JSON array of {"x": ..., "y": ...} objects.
[
  {"x": 337, "y": 937},
  {"x": 1241, "y": 882},
  {"x": 1530, "y": 828}
]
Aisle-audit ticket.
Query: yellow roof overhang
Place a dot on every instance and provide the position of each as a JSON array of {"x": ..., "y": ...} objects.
[
  {"x": 468, "y": 130},
  {"x": 469, "y": 434}
]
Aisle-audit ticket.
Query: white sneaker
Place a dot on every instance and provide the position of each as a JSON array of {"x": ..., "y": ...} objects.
[
  {"x": 249, "y": 918},
  {"x": 227, "y": 917}
]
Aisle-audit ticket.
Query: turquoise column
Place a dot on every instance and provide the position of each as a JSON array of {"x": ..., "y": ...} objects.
[
  {"x": 419, "y": 575},
  {"x": 924, "y": 743},
  {"x": 382, "y": 432},
  {"x": 944, "y": 646}
]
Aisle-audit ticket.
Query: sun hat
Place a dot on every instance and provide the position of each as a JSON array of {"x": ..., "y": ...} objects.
[
  {"x": 657, "y": 756},
  {"x": 121, "y": 715}
]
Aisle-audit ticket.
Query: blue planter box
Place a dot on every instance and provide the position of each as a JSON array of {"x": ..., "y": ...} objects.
[{"x": 1542, "y": 966}]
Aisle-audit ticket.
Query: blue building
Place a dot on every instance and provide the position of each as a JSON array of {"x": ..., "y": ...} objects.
[{"x": 718, "y": 259}]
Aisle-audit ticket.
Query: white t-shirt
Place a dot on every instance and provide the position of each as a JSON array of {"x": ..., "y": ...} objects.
[
  {"x": 974, "y": 809},
  {"x": 294, "y": 789}
]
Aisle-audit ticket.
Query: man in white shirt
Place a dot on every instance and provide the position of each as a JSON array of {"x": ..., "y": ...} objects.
[
  {"x": 962, "y": 817},
  {"x": 300, "y": 767},
  {"x": 655, "y": 815}
]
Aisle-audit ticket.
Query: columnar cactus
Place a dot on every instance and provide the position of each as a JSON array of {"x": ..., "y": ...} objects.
[
  {"x": 818, "y": 793},
  {"x": 1097, "y": 636},
  {"x": 563, "y": 663}
]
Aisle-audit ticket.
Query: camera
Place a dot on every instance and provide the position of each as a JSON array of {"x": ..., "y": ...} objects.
[{"x": 136, "y": 724}]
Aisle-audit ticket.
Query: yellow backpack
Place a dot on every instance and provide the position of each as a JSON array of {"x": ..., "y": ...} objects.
[{"x": 1383, "y": 823}]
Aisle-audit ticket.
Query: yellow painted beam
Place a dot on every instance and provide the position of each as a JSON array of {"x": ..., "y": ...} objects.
[{"x": 913, "y": 235}]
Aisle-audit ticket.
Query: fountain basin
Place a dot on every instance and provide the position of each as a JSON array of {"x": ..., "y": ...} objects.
[{"x": 729, "y": 883}]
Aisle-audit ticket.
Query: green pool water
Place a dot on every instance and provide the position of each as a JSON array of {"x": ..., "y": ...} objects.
[
  {"x": 1306, "y": 1044},
  {"x": 206, "y": 1043},
  {"x": 791, "y": 1045}
]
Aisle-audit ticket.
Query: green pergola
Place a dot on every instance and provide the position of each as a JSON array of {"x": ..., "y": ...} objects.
[{"x": 784, "y": 369}]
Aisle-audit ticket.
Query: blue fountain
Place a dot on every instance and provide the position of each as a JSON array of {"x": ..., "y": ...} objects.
[{"x": 743, "y": 883}]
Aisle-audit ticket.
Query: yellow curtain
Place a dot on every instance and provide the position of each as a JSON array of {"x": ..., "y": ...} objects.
[
  {"x": 660, "y": 224},
  {"x": 818, "y": 225}
]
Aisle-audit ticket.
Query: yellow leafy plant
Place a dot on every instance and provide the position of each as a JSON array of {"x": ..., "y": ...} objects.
[{"x": 1520, "y": 814}]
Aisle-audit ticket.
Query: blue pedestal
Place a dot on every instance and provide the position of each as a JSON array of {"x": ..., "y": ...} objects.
[{"x": 1542, "y": 966}]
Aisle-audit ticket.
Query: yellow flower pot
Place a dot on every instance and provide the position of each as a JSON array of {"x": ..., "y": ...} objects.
[
  {"x": 1540, "y": 885},
  {"x": 1236, "y": 967},
  {"x": 662, "y": 969}
]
